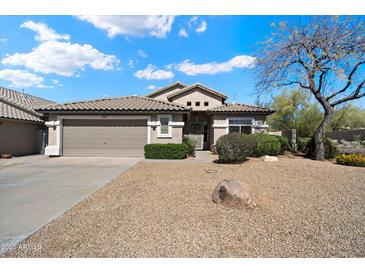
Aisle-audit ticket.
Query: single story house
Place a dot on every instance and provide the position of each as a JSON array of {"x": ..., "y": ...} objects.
[
  {"x": 22, "y": 130},
  {"x": 121, "y": 126}
]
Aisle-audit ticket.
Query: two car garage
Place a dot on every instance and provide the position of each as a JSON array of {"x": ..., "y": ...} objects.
[{"x": 104, "y": 137}]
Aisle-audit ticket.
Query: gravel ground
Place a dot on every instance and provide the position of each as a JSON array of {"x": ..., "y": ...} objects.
[{"x": 164, "y": 209}]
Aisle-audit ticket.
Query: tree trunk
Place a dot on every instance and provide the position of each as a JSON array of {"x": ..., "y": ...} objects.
[{"x": 319, "y": 135}]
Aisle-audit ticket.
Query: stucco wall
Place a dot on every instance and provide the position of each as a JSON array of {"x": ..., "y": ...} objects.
[
  {"x": 220, "y": 119},
  {"x": 177, "y": 132},
  {"x": 52, "y": 133},
  {"x": 198, "y": 95},
  {"x": 19, "y": 138}
]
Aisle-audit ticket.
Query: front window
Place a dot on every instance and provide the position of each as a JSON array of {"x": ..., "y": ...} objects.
[
  {"x": 164, "y": 125},
  {"x": 241, "y": 125}
]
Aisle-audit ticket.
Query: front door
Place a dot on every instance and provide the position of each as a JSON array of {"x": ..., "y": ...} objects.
[{"x": 196, "y": 133}]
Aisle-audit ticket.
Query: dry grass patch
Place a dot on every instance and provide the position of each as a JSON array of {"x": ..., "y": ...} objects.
[{"x": 164, "y": 209}]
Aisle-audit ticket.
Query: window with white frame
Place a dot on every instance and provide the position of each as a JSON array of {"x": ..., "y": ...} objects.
[
  {"x": 241, "y": 125},
  {"x": 164, "y": 128}
]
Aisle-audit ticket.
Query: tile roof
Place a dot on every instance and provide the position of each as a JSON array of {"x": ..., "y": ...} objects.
[
  {"x": 175, "y": 84},
  {"x": 20, "y": 105},
  {"x": 235, "y": 107},
  {"x": 198, "y": 85},
  {"x": 126, "y": 103}
]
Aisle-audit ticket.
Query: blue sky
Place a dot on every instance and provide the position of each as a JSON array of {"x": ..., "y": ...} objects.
[{"x": 105, "y": 57}]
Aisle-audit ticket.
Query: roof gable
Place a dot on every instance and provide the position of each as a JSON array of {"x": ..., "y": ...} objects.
[
  {"x": 199, "y": 86},
  {"x": 20, "y": 105},
  {"x": 176, "y": 85}
]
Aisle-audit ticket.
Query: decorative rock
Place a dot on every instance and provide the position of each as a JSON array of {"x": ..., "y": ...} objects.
[
  {"x": 268, "y": 158},
  {"x": 232, "y": 193}
]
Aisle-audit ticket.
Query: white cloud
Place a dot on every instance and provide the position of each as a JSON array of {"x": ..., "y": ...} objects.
[
  {"x": 152, "y": 73},
  {"x": 241, "y": 61},
  {"x": 183, "y": 33},
  {"x": 151, "y": 87},
  {"x": 141, "y": 53},
  {"x": 44, "y": 33},
  {"x": 59, "y": 57},
  {"x": 153, "y": 25},
  {"x": 202, "y": 27},
  {"x": 130, "y": 63},
  {"x": 3, "y": 40},
  {"x": 21, "y": 78},
  {"x": 192, "y": 21},
  {"x": 57, "y": 83},
  {"x": 62, "y": 58}
]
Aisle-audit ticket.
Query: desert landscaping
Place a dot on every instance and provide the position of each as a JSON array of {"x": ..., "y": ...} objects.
[{"x": 304, "y": 208}]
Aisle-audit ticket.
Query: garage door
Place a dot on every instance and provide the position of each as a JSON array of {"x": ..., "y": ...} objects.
[{"x": 104, "y": 137}]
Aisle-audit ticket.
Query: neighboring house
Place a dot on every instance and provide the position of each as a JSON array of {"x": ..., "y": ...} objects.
[
  {"x": 121, "y": 126},
  {"x": 21, "y": 127}
]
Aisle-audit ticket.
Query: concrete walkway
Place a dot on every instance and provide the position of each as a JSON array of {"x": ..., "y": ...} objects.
[
  {"x": 205, "y": 156},
  {"x": 34, "y": 190}
]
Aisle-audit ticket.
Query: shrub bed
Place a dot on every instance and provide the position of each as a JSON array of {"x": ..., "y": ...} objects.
[
  {"x": 191, "y": 145},
  {"x": 283, "y": 143},
  {"x": 351, "y": 160},
  {"x": 330, "y": 150},
  {"x": 302, "y": 144},
  {"x": 233, "y": 147},
  {"x": 264, "y": 144},
  {"x": 165, "y": 151}
]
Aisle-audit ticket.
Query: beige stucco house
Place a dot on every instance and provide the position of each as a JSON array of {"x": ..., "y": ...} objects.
[
  {"x": 121, "y": 126},
  {"x": 22, "y": 130}
]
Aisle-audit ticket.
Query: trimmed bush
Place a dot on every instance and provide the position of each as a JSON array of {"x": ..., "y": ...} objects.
[
  {"x": 283, "y": 142},
  {"x": 330, "y": 150},
  {"x": 165, "y": 151},
  {"x": 233, "y": 147},
  {"x": 351, "y": 160},
  {"x": 264, "y": 144},
  {"x": 191, "y": 145},
  {"x": 302, "y": 144}
]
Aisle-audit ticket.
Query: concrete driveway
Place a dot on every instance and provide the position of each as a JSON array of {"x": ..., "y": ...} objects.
[{"x": 36, "y": 189}]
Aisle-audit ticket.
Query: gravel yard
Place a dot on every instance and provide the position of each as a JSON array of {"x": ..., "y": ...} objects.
[{"x": 164, "y": 209}]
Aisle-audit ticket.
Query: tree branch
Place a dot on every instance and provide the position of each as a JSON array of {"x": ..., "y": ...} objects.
[
  {"x": 349, "y": 81},
  {"x": 355, "y": 95},
  {"x": 289, "y": 82}
]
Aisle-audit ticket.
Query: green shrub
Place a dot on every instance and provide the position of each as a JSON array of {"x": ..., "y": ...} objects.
[
  {"x": 165, "y": 151},
  {"x": 283, "y": 142},
  {"x": 191, "y": 145},
  {"x": 234, "y": 147},
  {"x": 264, "y": 144},
  {"x": 302, "y": 144},
  {"x": 330, "y": 150},
  {"x": 351, "y": 160}
]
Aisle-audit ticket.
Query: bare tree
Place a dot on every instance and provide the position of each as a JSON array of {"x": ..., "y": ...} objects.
[{"x": 324, "y": 57}]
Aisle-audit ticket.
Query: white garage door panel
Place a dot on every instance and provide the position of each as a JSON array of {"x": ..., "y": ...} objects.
[{"x": 104, "y": 137}]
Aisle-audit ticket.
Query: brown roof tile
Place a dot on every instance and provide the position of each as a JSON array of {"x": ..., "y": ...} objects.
[
  {"x": 126, "y": 103},
  {"x": 240, "y": 108},
  {"x": 20, "y": 105}
]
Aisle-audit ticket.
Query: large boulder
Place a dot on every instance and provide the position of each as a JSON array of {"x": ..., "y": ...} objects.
[{"x": 232, "y": 193}]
